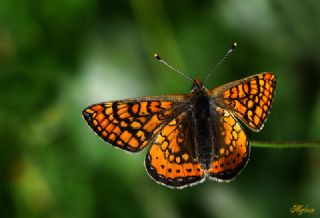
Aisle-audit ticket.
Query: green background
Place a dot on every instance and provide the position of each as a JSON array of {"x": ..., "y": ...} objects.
[{"x": 57, "y": 57}]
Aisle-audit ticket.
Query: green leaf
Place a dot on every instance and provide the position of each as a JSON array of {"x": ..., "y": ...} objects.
[{"x": 291, "y": 144}]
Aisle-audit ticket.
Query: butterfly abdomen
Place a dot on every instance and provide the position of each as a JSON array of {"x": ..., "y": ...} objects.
[{"x": 202, "y": 130}]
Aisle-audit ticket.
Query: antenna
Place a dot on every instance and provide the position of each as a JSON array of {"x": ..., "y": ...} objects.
[
  {"x": 233, "y": 46},
  {"x": 171, "y": 67}
]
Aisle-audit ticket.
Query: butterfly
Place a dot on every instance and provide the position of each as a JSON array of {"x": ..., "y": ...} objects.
[{"x": 194, "y": 137}]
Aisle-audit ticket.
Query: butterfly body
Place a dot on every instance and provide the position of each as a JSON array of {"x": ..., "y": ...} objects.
[
  {"x": 193, "y": 137},
  {"x": 200, "y": 113}
]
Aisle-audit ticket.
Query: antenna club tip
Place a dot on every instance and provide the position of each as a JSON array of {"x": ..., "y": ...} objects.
[
  {"x": 156, "y": 56},
  {"x": 234, "y": 45}
]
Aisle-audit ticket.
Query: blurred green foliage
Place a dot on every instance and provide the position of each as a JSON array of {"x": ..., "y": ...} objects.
[{"x": 57, "y": 57}]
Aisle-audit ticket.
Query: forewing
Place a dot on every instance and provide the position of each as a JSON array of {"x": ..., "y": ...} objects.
[
  {"x": 170, "y": 161},
  {"x": 249, "y": 99},
  {"x": 231, "y": 145},
  {"x": 131, "y": 124}
]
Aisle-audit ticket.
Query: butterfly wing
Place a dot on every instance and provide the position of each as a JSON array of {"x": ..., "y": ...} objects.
[
  {"x": 231, "y": 145},
  {"x": 170, "y": 160},
  {"x": 132, "y": 123},
  {"x": 249, "y": 99}
]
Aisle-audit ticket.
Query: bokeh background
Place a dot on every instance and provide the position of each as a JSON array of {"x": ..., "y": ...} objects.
[{"x": 57, "y": 57}]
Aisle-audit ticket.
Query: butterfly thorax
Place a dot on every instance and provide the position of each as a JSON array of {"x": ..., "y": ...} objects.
[{"x": 202, "y": 124}]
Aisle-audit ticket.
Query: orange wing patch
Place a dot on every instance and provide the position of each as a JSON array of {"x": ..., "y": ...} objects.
[
  {"x": 128, "y": 125},
  {"x": 169, "y": 160},
  {"x": 249, "y": 99},
  {"x": 232, "y": 149}
]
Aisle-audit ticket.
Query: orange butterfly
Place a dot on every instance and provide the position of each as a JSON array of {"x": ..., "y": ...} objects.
[{"x": 193, "y": 137}]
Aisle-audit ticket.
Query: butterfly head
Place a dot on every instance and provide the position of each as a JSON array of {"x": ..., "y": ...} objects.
[{"x": 198, "y": 87}]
